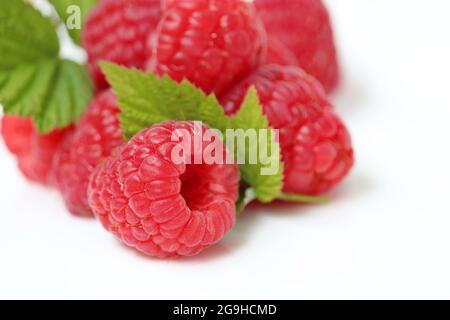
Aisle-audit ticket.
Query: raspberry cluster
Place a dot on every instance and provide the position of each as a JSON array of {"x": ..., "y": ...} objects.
[{"x": 166, "y": 208}]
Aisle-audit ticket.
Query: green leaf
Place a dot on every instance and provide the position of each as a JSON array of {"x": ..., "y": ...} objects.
[
  {"x": 53, "y": 92},
  {"x": 250, "y": 116},
  {"x": 290, "y": 197},
  {"x": 25, "y": 35},
  {"x": 34, "y": 81},
  {"x": 73, "y": 14},
  {"x": 146, "y": 99}
]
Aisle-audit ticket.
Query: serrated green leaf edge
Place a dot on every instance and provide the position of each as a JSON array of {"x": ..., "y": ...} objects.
[{"x": 250, "y": 115}]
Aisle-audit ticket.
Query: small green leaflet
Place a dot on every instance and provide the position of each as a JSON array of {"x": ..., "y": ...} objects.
[
  {"x": 250, "y": 116},
  {"x": 34, "y": 81},
  {"x": 73, "y": 14},
  {"x": 146, "y": 99}
]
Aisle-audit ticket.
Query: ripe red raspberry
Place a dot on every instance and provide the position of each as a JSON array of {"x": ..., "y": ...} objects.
[
  {"x": 278, "y": 53},
  {"x": 34, "y": 152},
  {"x": 316, "y": 146},
  {"x": 159, "y": 206},
  {"x": 117, "y": 31},
  {"x": 304, "y": 27},
  {"x": 97, "y": 134},
  {"x": 212, "y": 43}
]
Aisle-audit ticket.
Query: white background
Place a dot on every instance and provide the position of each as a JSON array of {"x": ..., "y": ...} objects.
[{"x": 386, "y": 234}]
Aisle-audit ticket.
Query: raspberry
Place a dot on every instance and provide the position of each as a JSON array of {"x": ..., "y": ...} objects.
[
  {"x": 34, "y": 152},
  {"x": 304, "y": 27},
  {"x": 97, "y": 134},
  {"x": 159, "y": 206},
  {"x": 278, "y": 53},
  {"x": 316, "y": 146},
  {"x": 117, "y": 31},
  {"x": 212, "y": 43}
]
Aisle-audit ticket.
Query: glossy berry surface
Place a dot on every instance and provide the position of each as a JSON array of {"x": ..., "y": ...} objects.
[
  {"x": 304, "y": 27},
  {"x": 117, "y": 31},
  {"x": 212, "y": 43},
  {"x": 34, "y": 151},
  {"x": 96, "y": 135},
  {"x": 161, "y": 207},
  {"x": 316, "y": 146}
]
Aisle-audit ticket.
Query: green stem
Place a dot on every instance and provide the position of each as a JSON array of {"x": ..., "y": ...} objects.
[
  {"x": 303, "y": 198},
  {"x": 246, "y": 195}
]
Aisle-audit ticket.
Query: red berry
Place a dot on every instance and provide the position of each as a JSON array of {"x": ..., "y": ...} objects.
[
  {"x": 34, "y": 152},
  {"x": 117, "y": 31},
  {"x": 304, "y": 27},
  {"x": 97, "y": 134},
  {"x": 159, "y": 206},
  {"x": 278, "y": 53},
  {"x": 212, "y": 43},
  {"x": 316, "y": 146}
]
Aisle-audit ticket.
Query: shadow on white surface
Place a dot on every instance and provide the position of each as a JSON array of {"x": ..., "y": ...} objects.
[{"x": 358, "y": 185}]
